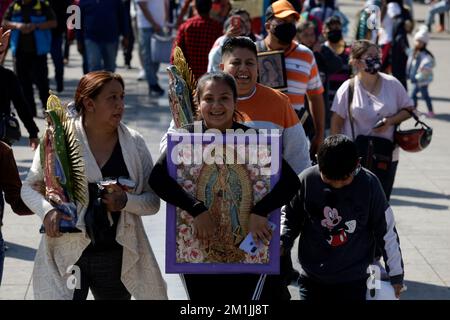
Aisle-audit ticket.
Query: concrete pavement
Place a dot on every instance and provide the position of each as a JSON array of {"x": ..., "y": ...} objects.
[{"x": 420, "y": 200}]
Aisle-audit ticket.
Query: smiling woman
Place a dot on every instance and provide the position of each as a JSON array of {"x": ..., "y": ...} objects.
[
  {"x": 217, "y": 95},
  {"x": 221, "y": 210}
]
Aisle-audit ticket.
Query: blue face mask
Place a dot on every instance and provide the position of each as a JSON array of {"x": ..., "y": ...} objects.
[{"x": 373, "y": 65}]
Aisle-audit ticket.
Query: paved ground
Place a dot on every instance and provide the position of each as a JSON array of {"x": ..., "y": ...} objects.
[{"x": 421, "y": 196}]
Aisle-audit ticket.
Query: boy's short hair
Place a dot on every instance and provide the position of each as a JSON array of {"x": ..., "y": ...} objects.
[
  {"x": 203, "y": 6},
  {"x": 337, "y": 157},
  {"x": 238, "y": 42}
]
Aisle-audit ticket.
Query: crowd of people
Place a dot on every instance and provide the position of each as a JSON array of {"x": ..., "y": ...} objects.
[{"x": 337, "y": 94}]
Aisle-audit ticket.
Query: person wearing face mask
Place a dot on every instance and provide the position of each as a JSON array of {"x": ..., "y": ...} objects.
[
  {"x": 334, "y": 40},
  {"x": 377, "y": 106},
  {"x": 302, "y": 72},
  {"x": 327, "y": 61}
]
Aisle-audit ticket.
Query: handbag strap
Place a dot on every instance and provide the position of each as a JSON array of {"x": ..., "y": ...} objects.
[
  {"x": 415, "y": 117},
  {"x": 351, "y": 89}
]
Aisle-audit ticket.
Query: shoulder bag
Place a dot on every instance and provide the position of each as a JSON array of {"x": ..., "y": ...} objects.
[{"x": 375, "y": 152}]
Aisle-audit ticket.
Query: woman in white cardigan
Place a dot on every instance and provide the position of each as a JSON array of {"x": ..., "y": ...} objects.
[{"x": 112, "y": 257}]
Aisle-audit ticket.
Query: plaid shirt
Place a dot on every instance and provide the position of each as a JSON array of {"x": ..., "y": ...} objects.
[{"x": 196, "y": 37}]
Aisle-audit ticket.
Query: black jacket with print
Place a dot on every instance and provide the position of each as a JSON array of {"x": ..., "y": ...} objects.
[{"x": 339, "y": 228}]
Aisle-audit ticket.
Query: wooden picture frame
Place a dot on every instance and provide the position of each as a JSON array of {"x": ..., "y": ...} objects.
[
  {"x": 272, "y": 69},
  {"x": 184, "y": 254}
]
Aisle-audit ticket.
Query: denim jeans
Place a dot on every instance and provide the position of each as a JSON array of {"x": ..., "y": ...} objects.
[
  {"x": 58, "y": 58},
  {"x": 101, "y": 55},
  {"x": 425, "y": 95},
  {"x": 145, "y": 46},
  {"x": 440, "y": 7}
]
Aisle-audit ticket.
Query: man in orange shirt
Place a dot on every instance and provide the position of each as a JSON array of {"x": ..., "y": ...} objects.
[
  {"x": 302, "y": 72},
  {"x": 263, "y": 107}
]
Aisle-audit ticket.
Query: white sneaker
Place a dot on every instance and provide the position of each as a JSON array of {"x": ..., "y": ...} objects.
[{"x": 141, "y": 76}]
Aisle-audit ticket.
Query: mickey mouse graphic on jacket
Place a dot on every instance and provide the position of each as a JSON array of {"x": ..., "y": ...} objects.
[
  {"x": 338, "y": 235},
  {"x": 341, "y": 213}
]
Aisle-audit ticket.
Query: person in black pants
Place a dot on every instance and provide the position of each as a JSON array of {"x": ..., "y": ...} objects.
[
  {"x": 58, "y": 35},
  {"x": 128, "y": 49},
  {"x": 327, "y": 61},
  {"x": 11, "y": 91},
  {"x": 30, "y": 22},
  {"x": 217, "y": 94}
]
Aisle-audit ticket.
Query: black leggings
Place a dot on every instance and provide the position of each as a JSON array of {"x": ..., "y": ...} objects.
[
  {"x": 100, "y": 272},
  {"x": 32, "y": 69},
  {"x": 388, "y": 182}
]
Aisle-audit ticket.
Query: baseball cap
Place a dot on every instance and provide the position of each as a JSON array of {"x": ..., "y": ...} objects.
[{"x": 281, "y": 9}]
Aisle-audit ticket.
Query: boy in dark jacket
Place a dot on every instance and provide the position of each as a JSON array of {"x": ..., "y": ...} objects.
[{"x": 341, "y": 213}]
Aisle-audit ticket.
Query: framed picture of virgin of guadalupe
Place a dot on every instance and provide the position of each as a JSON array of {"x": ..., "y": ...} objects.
[
  {"x": 272, "y": 69},
  {"x": 229, "y": 173}
]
